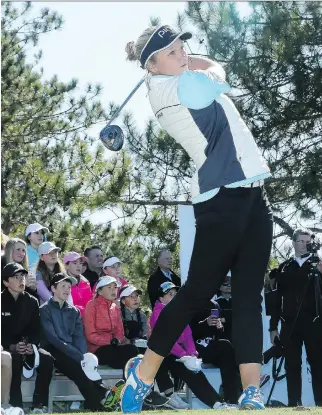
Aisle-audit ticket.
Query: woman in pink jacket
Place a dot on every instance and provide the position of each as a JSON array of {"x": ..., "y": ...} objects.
[
  {"x": 81, "y": 292},
  {"x": 182, "y": 361}
]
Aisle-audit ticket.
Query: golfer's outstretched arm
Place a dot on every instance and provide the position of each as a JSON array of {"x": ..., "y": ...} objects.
[{"x": 200, "y": 63}]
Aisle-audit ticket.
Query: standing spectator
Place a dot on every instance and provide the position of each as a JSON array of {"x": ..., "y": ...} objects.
[
  {"x": 15, "y": 251},
  {"x": 20, "y": 335},
  {"x": 64, "y": 340},
  {"x": 298, "y": 306},
  {"x": 95, "y": 261},
  {"x": 163, "y": 273},
  {"x": 225, "y": 304},
  {"x": 47, "y": 267},
  {"x": 80, "y": 292},
  {"x": 35, "y": 235},
  {"x": 104, "y": 327},
  {"x": 112, "y": 267},
  {"x": 182, "y": 359}
]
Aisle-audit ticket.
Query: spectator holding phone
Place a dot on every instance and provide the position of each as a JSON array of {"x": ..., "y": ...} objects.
[
  {"x": 225, "y": 304},
  {"x": 207, "y": 330}
]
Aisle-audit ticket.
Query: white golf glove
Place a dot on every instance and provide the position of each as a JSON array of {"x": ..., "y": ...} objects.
[{"x": 191, "y": 362}]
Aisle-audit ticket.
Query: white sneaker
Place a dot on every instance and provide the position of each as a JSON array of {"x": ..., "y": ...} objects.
[
  {"x": 13, "y": 411},
  {"x": 175, "y": 402},
  {"x": 224, "y": 406},
  {"x": 75, "y": 406},
  {"x": 181, "y": 402}
]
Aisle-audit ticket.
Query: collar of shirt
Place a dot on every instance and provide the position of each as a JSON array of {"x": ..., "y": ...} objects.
[
  {"x": 301, "y": 261},
  {"x": 167, "y": 274}
]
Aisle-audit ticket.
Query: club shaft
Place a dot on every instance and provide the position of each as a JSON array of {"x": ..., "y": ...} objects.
[{"x": 126, "y": 101}]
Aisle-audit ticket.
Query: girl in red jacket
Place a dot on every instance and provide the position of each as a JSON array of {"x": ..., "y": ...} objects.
[{"x": 104, "y": 330}]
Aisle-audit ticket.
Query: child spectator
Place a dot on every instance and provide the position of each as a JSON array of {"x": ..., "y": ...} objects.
[
  {"x": 80, "y": 292},
  {"x": 104, "y": 328},
  {"x": 15, "y": 251},
  {"x": 47, "y": 267},
  {"x": 112, "y": 267},
  {"x": 20, "y": 336},
  {"x": 35, "y": 235},
  {"x": 183, "y": 362},
  {"x": 135, "y": 321},
  {"x": 64, "y": 340}
]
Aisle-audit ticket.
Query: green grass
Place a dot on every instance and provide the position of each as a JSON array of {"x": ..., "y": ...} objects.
[{"x": 270, "y": 411}]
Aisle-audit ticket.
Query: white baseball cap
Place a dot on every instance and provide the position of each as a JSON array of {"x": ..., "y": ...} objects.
[
  {"x": 35, "y": 227},
  {"x": 90, "y": 366},
  {"x": 29, "y": 368},
  {"x": 47, "y": 247},
  {"x": 105, "y": 281},
  {"x": 129, "y": 290},
  {"x": 111, "y": 261}
]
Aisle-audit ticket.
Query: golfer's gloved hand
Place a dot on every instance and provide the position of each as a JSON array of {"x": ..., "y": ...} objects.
[{"x": 191, "y": 362}]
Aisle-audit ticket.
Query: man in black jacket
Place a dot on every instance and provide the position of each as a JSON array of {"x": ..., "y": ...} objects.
[
  {"x": 20, "y": 335},
  {"x": 297, "y": 299},
  {"x": 163, "y": 274}
]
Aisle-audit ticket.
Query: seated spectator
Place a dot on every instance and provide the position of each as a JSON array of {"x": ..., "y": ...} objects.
[
  {"x": 207, "y": 331},
  {"x": 48, "y": 265},
  {"x": 6, "y": 376},
  {"x": 112, "y": 267},
  {"x": 105, "y": 333},
  {"x": 182, "y": 361},
  {"x": 64, "y": 340},
  {"x": 35, "y": 235},
  {"x": 103, "y": 325},
  {"x": 225, "y": 304},
  {"x": 15, "y": 251},
  {"x": 95, "y": 261},
  {"x": 81, "y": 292},
  {"x": 163, "y": 273},
  {"x": 135, "y": 321},
  {"x": 20, "y": 336}
]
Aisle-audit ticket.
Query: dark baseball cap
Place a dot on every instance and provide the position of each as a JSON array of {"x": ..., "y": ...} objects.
[
  {"x": 61, "y": 276},
  {"x": 11, "y": 270}
]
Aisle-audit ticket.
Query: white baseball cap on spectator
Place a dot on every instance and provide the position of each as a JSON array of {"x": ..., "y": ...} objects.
[
  {"x": 90, "y": 366},
  {"x": 130, "y": 289},
  {"x": 106, "y": 281},
  {"x": 111, "y": 261},
  {"x": 28, "y": 367},
  {"x": 35, "y": 227},
  {"x": 47, "y": 247}
]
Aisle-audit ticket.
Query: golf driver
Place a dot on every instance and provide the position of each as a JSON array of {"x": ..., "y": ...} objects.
[{"x": 112, "y": 135}]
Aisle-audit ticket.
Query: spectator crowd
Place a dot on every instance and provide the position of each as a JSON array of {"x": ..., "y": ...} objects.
[{"x": 74, "y": 312}]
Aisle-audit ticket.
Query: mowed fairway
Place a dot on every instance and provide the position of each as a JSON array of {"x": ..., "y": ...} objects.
[{"x": 275, "y": 411}]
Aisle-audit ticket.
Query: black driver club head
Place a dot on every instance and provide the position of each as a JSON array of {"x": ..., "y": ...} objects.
[{"x": 112, "y": 137}]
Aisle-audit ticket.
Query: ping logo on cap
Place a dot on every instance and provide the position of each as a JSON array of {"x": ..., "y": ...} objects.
[{"x": 163, "y": 31}]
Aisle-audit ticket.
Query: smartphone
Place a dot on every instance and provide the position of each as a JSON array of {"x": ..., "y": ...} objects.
[{"x": 215, "y": 313}]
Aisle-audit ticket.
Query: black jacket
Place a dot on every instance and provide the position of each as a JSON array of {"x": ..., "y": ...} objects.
[
  {"x": 200, "y": 328},
  {"x": 292, "y": 286},
  {"x": 226, "y": 313},
  {"x": 19, "y": 318},
  {"x": 155, "y": 280},
  {"x": 91, "y": 276}
]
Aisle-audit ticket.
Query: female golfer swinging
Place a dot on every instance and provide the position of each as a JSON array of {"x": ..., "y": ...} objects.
[{"x": 233, "y": 219}]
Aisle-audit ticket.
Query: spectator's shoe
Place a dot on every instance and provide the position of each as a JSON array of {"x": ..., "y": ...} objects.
[
  {"x": 135, "y": 390},
  {"x": 7, "y": 409},
  {"x": 251, "y": 398},
  {"x": 175, "y": 402},
  {"x": 113, "y": 396},
  {"x": 224, "y": 406},
  {"x": 155, "y": 400}
]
